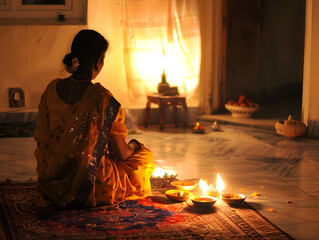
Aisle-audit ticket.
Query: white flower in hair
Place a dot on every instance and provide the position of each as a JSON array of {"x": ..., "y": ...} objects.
[
  {"x": 75, "y": 63},
  {"x": 74, "y": 66}
]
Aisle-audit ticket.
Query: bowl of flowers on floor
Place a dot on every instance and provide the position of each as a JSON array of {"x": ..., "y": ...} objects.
[{"x": 242, "y": 108}]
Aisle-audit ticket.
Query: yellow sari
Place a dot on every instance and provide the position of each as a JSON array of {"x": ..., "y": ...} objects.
[{"x": 67, "y": 137}]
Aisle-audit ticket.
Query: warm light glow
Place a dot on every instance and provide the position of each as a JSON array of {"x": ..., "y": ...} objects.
[
  {"x": 149, "y": 66},
  {"x": 161, "y": 37},
  {"x": 160, "y": 172},
  {"x": 220, "y": 184},
  {"x": 153, "y": 54},
  {"x": 203, "y": 186},
  {"x": 170, "y": 172}
]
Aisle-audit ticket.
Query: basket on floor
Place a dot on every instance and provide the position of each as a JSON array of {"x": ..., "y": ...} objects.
[
  {"x": 290, "y": 128},
  {"x": 241, "y": 112}
]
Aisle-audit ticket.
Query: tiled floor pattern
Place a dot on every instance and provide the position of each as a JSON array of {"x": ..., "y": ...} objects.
[{"x": 248, "y": 159}]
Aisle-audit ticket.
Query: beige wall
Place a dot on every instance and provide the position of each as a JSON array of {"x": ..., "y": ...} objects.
[
  {"x": 310, "y": 107},
  {"x": 106, "y": 17},
  {"x": 31, "y": 56}
]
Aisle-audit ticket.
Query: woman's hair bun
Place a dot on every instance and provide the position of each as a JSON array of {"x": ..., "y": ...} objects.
[
  {"x": 68, "y": 60},
  {"x": 88, "y": 46}
]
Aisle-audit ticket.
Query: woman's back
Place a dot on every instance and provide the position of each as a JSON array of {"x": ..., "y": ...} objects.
[
  {"x": 59, "y": 106},
  {"x": 71, "y": 91},
  {"x": 82, "y": 156}
]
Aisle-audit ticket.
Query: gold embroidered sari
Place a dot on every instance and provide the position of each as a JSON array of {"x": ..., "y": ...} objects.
[{"x": 67, "y": 137}]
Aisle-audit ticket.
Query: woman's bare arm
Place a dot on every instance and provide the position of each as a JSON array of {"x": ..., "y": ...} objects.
[{"x": 119, "y": 147}]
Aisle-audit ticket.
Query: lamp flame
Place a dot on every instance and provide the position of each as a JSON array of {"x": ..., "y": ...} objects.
[
  {"x": 203, "y": 186},
  {"x": 220, "y": 184}
]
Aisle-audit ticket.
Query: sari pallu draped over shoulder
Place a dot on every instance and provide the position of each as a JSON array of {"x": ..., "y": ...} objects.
[
  {"x": 63, "y": 155},
  {"x": 69, "y": 170}
]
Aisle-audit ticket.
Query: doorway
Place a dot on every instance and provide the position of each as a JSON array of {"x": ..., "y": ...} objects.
[{"x": 265, "y": 52}]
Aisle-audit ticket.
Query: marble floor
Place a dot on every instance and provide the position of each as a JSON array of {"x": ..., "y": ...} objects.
[{"x": 249, "y": 160}]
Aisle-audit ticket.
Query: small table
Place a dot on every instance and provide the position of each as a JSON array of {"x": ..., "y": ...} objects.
[{"x": 163, "y": 102}]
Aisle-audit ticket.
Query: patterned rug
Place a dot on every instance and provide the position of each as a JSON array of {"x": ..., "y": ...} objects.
[{"x": 154, "y": 217}]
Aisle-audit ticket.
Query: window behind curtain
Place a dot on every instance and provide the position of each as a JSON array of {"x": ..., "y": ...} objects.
[
  {"x": 43, "y": 2},
  {"x": 161, "y": 35}
]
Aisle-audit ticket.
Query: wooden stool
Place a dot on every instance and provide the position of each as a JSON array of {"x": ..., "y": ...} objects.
[{"x": 163, "y": 102}]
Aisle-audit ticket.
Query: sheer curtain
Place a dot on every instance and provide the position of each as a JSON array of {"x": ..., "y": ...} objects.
[
  {"x": 161, "y": 35},
  {"x": 211, "y": 86}
]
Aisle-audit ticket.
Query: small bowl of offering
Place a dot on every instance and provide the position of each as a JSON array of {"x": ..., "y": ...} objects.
[
  {"x": 232, "y": 199},
  {"x": 184, "y": 185},
  {"x": 177, "y": 195},
  {"x": 204, "y": 201},
  {"x": 198, "y": 128}
]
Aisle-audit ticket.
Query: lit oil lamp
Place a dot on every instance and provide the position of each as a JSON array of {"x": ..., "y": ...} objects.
[
  {"x": 204, "y": 200},
  {"x": 209, "y": 193},
  {"x": 198, "y": 128},
  {"x": 220, "y": 184},
  {"x": 210, "y": 190},
  {"x": 229, "y": 198}
]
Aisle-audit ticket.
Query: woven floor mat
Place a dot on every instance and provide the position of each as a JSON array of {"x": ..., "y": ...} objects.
[{"x": 154, "y": 217}]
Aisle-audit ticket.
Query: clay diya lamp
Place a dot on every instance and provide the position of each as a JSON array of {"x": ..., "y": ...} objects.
[
  {"x": 204, "y": 201},
  {"x": 184, "y": 185},
  {"x": 233, "y": 199},
  {"x": 198, "y": 128},
  {"x": 177, "y": 195}
]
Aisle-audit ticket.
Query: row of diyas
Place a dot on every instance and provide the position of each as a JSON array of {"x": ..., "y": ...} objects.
[{"x": 209, "y": 194}]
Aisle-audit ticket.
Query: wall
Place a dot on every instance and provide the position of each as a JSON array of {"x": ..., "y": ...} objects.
[
  {"x": 310, "y": 106},
  {"x": 31, "y": 56},
  {"x": 106, "y": 17}
]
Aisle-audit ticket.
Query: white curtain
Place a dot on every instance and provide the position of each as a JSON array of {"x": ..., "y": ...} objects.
[
  {"x": 161, "y": 35},
  {"x": 210, "y": 89}
]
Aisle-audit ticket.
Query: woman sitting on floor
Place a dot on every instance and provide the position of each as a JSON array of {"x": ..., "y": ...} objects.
[{"x": 82, "y": 156}]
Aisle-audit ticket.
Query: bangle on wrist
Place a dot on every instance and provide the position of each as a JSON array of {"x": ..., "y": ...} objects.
[{"x": 136, "y": 145}]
